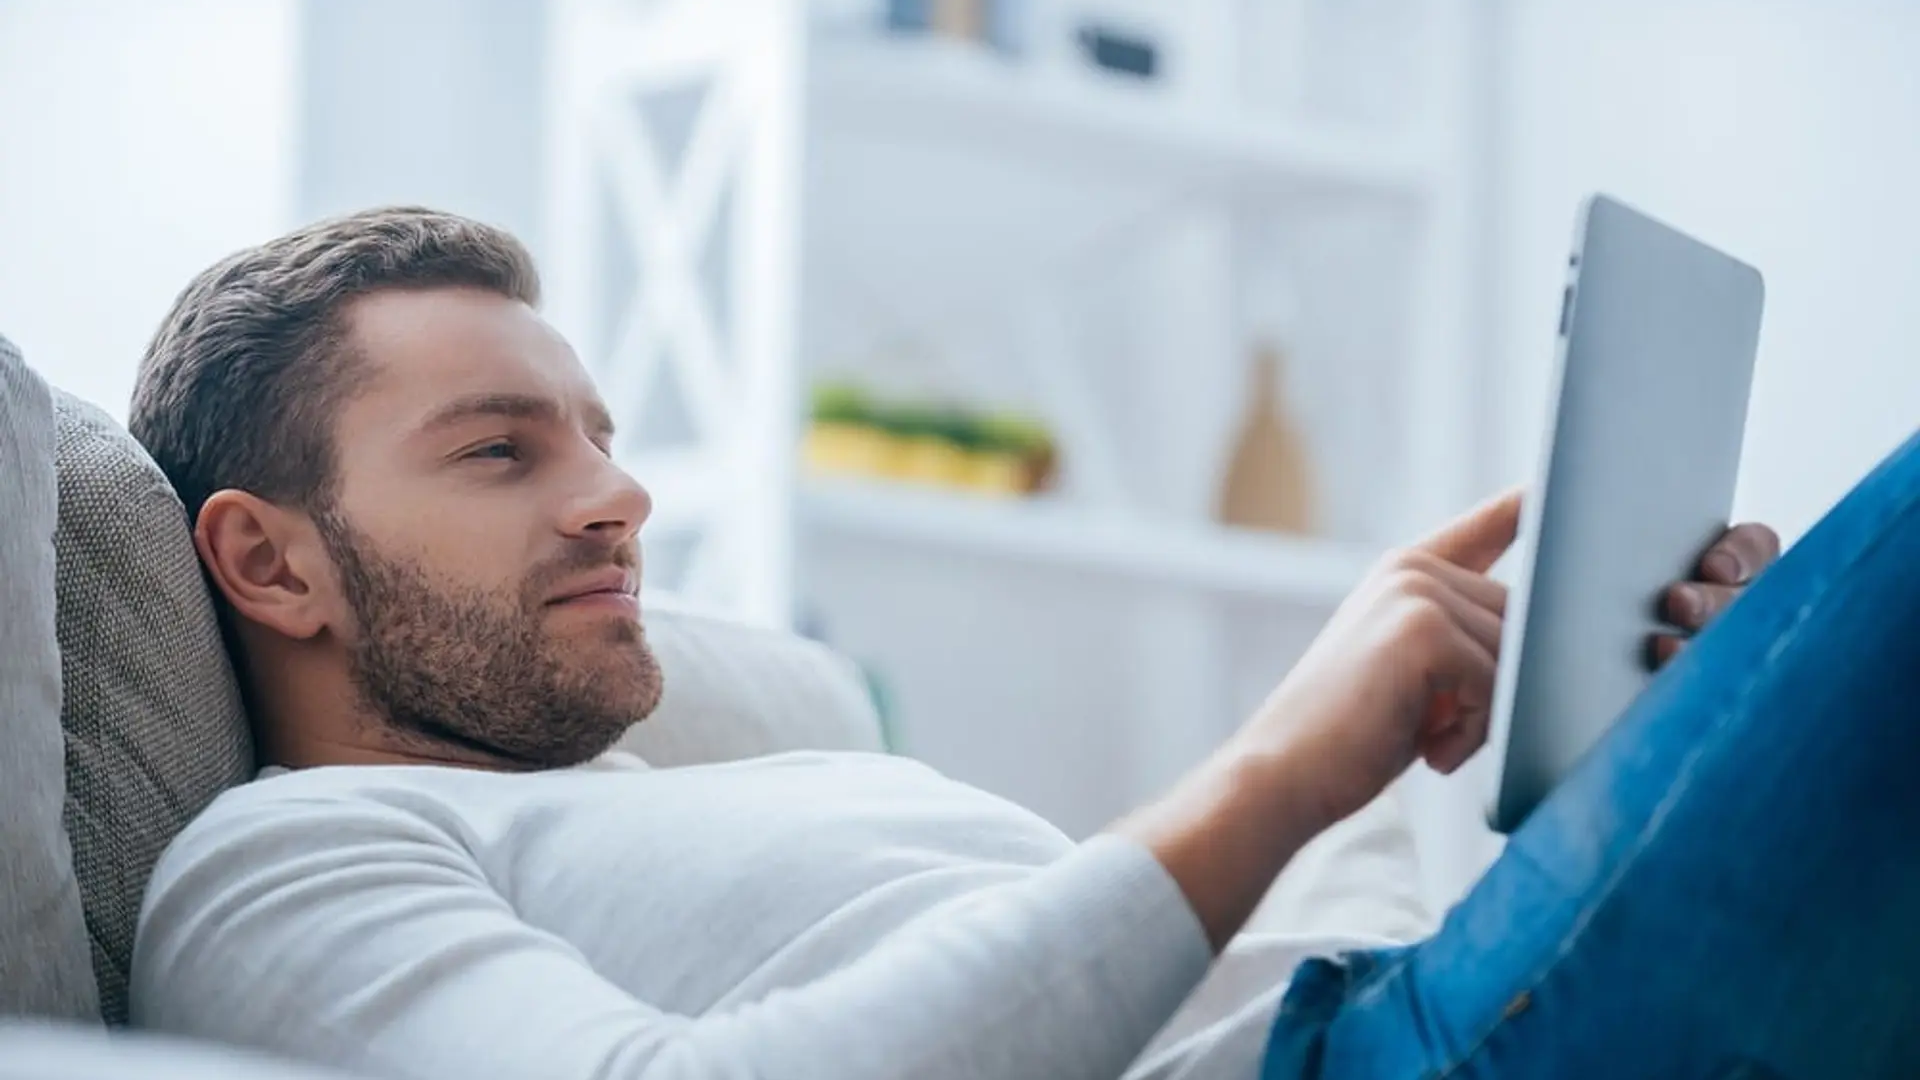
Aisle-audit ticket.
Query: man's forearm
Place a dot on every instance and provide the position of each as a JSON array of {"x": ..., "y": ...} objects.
[{"x": 1227, "y": 830}]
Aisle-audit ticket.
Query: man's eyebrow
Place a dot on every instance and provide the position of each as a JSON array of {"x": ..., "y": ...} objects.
[
  {"x": 599, "y": 421},
  {"x": 476, "y": 406},
  {"x": 511, "y": 407}
]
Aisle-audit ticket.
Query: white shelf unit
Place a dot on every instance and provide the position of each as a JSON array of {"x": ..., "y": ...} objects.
[
  {"x": 1000, "y": 107},
  {"x": 743, "y": 203},
  {"x": 1039, "y": 532}
]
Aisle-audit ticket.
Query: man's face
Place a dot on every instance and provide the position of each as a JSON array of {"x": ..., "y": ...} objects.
[{"x": 484, "y": 541}]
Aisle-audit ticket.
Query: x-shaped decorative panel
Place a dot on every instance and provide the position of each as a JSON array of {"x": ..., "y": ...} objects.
[{"x": 673, "y": 134}]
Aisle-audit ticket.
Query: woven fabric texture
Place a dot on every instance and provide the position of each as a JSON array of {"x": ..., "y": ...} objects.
[{"x": 152, "y": 713}]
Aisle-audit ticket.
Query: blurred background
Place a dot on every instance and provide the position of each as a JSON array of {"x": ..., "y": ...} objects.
[{"x": 1062, "y": 362}]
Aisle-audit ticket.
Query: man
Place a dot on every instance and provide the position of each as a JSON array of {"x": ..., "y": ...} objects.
[{"x": 400, "y": 485}]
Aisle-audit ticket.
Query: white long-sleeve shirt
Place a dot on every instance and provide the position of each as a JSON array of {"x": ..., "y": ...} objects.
[{"x": 804, "y": 915}]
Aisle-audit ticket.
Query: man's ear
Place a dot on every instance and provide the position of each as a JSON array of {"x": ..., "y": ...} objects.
[{"x": 267, "y": 561}]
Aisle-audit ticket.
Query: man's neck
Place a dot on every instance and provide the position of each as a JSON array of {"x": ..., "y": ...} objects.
[{"x": 277, "y": 744}]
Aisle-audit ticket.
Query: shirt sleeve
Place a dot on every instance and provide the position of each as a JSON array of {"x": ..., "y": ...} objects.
[{"x": 356, "y": 935}]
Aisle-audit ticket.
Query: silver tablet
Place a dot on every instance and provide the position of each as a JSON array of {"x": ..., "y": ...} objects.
[{"x": 1647, "y": 410}]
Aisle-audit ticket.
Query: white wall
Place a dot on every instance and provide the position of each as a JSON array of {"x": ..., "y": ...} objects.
[
  {"x": 139, "y": 142},
  {"x": 1782, "y": 130},
  {"x": 436, "y": 102}
]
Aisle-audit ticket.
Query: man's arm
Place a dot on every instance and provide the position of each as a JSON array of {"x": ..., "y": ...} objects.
[{"x": 356, "y": 935}]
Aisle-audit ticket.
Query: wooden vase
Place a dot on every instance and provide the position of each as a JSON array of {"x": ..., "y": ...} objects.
[
  {"x": 962, "y": 19},
  {"x": 1269, "y": 478}
]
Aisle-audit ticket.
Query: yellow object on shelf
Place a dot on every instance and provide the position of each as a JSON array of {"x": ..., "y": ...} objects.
[
  {"x": 998, "y": 473},
  {"x": 857, "y": 449},
  {"x": 836, "y": 449},
  {"x": 927, "y": 443},
  {"x": 928, "y": 459}
]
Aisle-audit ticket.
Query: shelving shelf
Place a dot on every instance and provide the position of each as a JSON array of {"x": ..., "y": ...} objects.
[
  {"x": 1298, "y": 571},
  {"x": 936, "y": 91}
]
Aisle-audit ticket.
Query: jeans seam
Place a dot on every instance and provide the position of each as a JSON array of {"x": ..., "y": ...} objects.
[
  {"x": 1682, "y": 781},
  {"x": 1366, "y": 985}
]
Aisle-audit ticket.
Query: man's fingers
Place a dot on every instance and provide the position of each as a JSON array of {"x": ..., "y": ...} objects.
[
  {"x": 1740, "y": 554},
  {"x": 1454, "y": 747},
  {"x": 1691, "y": 605},
  {"x": 1476, "y": 539},
  {"x": 1421, "y": 577},
  {"x": 1662, "y": 648},
  {"x": 1474, "y": 619},
  {"x": 1458, "y": 727},
  {"x": 1476, "y": 587}
]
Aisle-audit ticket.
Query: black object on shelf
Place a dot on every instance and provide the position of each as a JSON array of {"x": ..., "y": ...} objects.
[{"x": 1116, "y": 50}]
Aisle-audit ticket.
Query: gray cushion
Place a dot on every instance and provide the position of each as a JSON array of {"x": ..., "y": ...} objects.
[
  {"x": 152, "y": 714},
  {"x": 43, "y": 942}
]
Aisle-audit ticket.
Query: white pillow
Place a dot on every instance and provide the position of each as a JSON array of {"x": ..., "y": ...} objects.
[{"x": 736, "y": 691}]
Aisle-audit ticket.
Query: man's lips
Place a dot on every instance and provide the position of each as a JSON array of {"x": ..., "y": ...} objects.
[
  {"x": 613, "y": 586},
  {"x": 624, "y": 604}
]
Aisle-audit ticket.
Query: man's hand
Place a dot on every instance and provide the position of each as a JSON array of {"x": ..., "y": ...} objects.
[
  {"x": 1405, "y": 668},
  {"x": 1403, "y": 671},
  {"x": 1728, "y": 566}
]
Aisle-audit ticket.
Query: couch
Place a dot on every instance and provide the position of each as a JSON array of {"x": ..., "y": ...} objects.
[{"x": 120, "y": 718}]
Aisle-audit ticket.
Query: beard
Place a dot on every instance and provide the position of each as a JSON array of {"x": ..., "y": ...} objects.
[{"x": 468, "y": 667}]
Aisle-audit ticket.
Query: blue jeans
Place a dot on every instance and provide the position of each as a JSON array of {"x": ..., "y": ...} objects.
[{"x": 1727, "y": 886}]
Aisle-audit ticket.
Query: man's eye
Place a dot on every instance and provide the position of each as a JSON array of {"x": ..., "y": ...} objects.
[{"x": 494, "y": 451}]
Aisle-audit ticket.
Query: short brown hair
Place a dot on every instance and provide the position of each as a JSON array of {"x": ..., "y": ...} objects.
[{"x": 241, "y": 384}]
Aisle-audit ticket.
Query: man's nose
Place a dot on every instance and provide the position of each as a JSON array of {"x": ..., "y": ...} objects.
[{"x": 611, "y": 506}]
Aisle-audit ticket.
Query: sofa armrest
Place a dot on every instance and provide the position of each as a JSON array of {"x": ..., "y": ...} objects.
[{"x": 45, "y": 963}]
